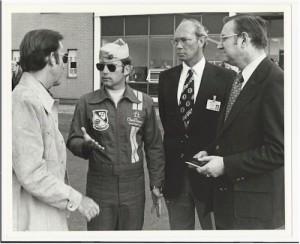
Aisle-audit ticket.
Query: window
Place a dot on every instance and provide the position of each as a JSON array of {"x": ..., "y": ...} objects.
[
  {"x": 162, "y": 24},
  {"x": 161, "y": 52},
  {"x": 211, "y": 52},
  {"x": 138, "y": 49},
  {"x": 112, "y": 26},
  {"x": 136, "y": 25},
  {"x": 213, "y": 22}
]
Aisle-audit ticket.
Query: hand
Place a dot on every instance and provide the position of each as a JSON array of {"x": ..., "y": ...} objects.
[
  {"x": 198, "y": 156},
  {"x": 90, "y": 143},
  {"x": 156, "y": 199},
  {"x": 214, "y": 167},
  {"x": 88, "y": 208}
]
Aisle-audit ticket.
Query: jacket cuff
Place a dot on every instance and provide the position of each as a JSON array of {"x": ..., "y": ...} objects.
[
  {"x": 232, "y": 170},
  {"x": 74, "y": 200}
]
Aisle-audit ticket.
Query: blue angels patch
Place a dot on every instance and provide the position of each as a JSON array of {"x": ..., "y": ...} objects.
[{"x": 100, "y": 120}]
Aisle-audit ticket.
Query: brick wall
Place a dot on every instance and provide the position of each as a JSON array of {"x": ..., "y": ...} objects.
[{"x": 77, "y": 29}]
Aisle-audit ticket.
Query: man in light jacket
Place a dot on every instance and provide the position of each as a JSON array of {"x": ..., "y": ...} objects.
[{"x": 41, "y": 198}]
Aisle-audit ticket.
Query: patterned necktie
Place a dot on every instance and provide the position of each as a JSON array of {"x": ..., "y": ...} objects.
[
  {"x": 235, "y": 91},
  {"x": 186, "y": 103}
]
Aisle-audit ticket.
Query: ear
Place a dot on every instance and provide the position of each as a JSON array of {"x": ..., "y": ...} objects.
[
  {"x": 201, "y": 41},
  {"x": 51, "y": 59},
  {"x": 127, "y": 69},
  {"x": 246, "y": 39}
]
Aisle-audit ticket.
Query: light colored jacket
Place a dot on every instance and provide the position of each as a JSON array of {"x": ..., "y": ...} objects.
[{"x": 41, "y": 198}]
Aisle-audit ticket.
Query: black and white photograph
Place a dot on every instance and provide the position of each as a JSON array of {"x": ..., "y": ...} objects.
[{"x": 149, "y": 122}]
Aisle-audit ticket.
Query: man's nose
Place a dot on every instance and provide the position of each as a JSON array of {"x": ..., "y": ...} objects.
[
  {"x": 105, "y": 70},
  {"x": 220, "y": 45},
  {"x": 179, "y": 45}
]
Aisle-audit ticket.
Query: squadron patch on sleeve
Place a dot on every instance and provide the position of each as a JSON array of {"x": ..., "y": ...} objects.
[{"x": 100, "y": 120}]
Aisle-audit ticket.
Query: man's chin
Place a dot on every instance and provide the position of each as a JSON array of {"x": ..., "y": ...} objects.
[{"x": 181, "y": 58}]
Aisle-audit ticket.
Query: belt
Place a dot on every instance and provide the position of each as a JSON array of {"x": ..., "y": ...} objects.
[{"x": 123, "y": 169}]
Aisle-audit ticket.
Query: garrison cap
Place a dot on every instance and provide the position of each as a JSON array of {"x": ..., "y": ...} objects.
[{"x": 114, "y": 51}]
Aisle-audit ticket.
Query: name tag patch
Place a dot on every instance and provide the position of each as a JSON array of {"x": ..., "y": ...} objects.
[
  {"x": 213, "y": 105},
  {"x": 136, "y": 120}
]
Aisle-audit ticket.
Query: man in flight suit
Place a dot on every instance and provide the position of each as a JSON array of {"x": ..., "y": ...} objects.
[{"x": 111, "y": 127}]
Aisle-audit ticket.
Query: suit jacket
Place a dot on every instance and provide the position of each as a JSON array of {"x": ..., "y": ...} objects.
[
  {"x": 251, "y": 193},
  {"x": 180, "y": 144}
]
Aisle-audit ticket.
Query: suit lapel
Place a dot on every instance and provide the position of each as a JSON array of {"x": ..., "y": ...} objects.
[
  {"x": 172, "y": 94},
  {"x": 251, "y": 88},
  {"x": 206, "y": 87}
]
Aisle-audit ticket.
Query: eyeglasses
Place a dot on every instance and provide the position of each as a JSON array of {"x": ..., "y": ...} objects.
[
  {"x": 183, "y": 40},
  {"x": 223, "y": 38},
  {"x": 111, "y": 67},
  {"x": 65, "y": 58}
]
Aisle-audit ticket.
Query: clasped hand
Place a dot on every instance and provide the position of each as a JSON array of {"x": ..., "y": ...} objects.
[{"x": 214, "y": 166}]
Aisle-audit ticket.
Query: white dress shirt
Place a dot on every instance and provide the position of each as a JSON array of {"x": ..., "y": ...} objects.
[
  {"x": 250, "y": 68},
  {"x": 198, "y": 72}
]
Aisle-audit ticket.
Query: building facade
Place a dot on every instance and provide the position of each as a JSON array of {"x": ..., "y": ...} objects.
[{"x": 148, "y": 38}]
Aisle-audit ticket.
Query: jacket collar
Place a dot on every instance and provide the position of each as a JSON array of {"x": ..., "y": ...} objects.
[
  {"x": 40, "y": 91},
  {"x": 102, "y": 95}
]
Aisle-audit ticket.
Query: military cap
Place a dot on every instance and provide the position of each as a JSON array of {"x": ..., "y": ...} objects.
[{"x": 114, "y": 51}]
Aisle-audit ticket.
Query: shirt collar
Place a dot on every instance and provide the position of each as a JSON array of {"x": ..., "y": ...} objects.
[
  {"x": 249, "y": 69},
  {"x": 102, "y": 94},
  {"x": 39, "y": 89},
  {"x": 198, "y": 67}
]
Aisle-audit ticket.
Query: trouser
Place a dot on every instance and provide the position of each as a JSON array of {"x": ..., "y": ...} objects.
[
  {"x": 181, "y": 210},
  {"x": 121, "y": 198}
]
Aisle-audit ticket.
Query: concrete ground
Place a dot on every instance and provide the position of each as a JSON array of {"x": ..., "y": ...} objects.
[{"x": 77, "y": 169}]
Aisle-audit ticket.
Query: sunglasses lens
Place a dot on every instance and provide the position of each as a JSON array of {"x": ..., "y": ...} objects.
[
  {"x": 111, "y": 67},
  {"x": 100, "y": 67}
]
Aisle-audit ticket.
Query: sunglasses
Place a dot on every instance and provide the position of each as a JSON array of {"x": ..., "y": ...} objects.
[
  {"x": 65, "y": 58},
  {"x": 111, "y": 67}
]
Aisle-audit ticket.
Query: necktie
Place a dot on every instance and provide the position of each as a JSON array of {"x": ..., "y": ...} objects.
[
  {"x": 234, "y": 93},
  {"x": 186, "y": 103}
]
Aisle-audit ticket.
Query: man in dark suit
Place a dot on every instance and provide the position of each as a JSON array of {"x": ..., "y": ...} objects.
[
  {"x": 190, "y": 97},
  {"x": 249, "y": 166}
]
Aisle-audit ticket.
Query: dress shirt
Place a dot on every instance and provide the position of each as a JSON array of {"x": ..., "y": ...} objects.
[
  {"x": 249, "y": 69},
  {"x": 198, "y": 71}
]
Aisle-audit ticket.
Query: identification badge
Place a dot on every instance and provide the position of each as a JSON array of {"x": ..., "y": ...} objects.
[{"x": 213, "y": 105}]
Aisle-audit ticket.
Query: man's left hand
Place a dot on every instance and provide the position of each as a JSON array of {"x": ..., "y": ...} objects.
[
  {"x": 156, "y": 199},
  {"x": 213, "y": 168}
]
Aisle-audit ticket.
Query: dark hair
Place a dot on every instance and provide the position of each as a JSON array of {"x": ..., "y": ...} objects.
[
  {"x": 126, "y": 61},
  {"x": 254, "y": 26},
  {"x": 36, "y": 46},
  {"x": 200, "y": 30}
]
